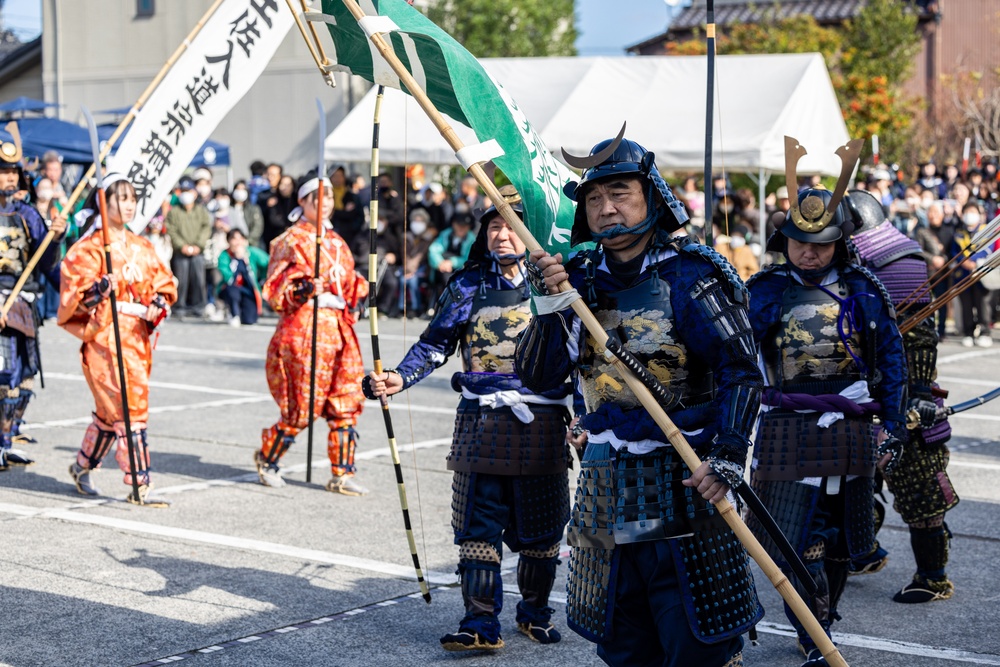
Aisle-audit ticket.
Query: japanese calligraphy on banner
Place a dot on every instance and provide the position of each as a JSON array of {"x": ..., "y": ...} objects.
[{"x": 215, "y": 72}]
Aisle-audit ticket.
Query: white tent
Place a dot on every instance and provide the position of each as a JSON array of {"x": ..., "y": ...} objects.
[{"x": 575, "y": 102}]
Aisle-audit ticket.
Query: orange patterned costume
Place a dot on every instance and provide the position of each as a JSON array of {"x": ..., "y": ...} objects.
[
  {"x": 142, "y": 277},
  {"x": 339, "y": 367}
]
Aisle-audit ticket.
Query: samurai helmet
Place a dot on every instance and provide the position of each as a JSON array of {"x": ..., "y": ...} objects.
[
  {"x": 11, "y": 155},
  {"x": 868, "y": 211},
  {"x": 817, "y": 216},
  {"x": 617, "y": 157}
]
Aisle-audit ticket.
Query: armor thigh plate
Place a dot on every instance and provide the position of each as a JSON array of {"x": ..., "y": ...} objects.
[
  {"x": 494, "y": 441},
  {"x": 920, "y": 486},
  {"x": 635, "y": 498},
  {"x": 793, "y": 446},
  {"x": 792, "y": 505}
]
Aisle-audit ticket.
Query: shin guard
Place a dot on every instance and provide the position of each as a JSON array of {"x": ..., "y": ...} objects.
[
  {"x": 275, "y": 441},
  {"x": 141, "y": 447},
  {"x": 340, "y": 447},
  {"x": 21, "y": 405},
  {"x": 482, "y": 588},
  {"x": 97, "y": 443},
  {"x": 929, "y": 540},
  {"x": 536, "y": 574},
  {"x": 819, "y": 604}
]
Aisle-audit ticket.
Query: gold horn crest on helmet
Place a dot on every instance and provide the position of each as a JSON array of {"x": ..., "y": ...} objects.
[
  {"x": 812, "y": 215},
  {"x": 10, "y": 151}
]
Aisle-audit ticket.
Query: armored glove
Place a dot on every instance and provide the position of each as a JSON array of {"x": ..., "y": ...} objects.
[
  {"x": 302, "y": 290},
  {"x": 535, "y": 278},
  {"x": 99, "y": 291},
  {"x": 891, "y": 445},
  {"x": 925, "y": 410}
]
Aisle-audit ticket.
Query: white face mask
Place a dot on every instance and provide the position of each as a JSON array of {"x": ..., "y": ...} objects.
[
  {"x": 418, "y": 227},
  {"x": 187, "y": 197},
  {"x": 204, "y": 190},
  {"x": 44, "y": 195},
  {"x": 240, "y": 196},
  {"x": 221, "y": 205},
  {"x": 971, "y": 219},
  {"x": 737, "y": 242}
]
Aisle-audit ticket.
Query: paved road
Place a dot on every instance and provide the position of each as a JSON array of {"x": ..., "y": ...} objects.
[{"x": 238, "y": 574}]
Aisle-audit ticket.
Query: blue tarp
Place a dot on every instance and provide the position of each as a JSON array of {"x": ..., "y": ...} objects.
[
  {"x": 39, "y": 135},
  {"x": 25, "y": 104}
]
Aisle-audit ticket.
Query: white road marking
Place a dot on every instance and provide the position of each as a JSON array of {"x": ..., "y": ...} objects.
[
  {"x": 950, "y": 379},
  {"x": 166, "y": 385},
  {"x": 967, "y": 415},
  {"x": 199, "y": 352},
  {"x": 973, "y": 464},
  {"x": 319, "y": 463},
  {"x": 313, "y": 555},
  {"x": 76, "y": 421},
  {"x": 892, "y": 646},
  {"x": 963, "y": 356}
]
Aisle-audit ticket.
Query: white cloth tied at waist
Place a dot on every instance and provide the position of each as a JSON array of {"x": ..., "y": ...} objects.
[
  {"x": 857, "y": 392},
  {"x": 331, "y": 301},
  {"x": 23, "y": 295},
  {"x": 131, "y": 308},
  {"x": 637, "y": 447},
  {"x": 513, "y": 399}
]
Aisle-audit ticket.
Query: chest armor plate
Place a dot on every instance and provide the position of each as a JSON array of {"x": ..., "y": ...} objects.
[
  {"x": 807, "y": 347},
  {"x": 491, "y": 334},
  {"x": 14, "y": 245},
  {"x": 643, "y": 319}
]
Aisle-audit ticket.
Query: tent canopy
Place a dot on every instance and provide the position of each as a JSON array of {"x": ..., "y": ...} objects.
[
  {"x": 72, "y": 142},
  {"x": 575, "y": 102},
  {"x": 25, "y": 104}
]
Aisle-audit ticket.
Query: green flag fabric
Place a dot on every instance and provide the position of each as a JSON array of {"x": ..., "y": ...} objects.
[{"x": 459, "y": 86}]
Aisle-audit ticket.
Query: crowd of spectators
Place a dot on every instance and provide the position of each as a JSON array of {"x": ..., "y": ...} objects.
[{"x": 216, "y": 240}]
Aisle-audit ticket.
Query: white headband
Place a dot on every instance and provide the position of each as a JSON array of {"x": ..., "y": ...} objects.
[
  {"x": 306, "y": 189},
  {"x": 85, "y": 214}
]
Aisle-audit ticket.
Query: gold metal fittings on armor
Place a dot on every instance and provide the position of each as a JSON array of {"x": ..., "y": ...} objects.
[
  {"x": 811, "y": 215},
  {"x": 11, "y": 151},
  {"x": 510, "y": 195}
]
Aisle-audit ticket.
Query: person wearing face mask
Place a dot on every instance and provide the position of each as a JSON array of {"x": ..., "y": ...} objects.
[
  {"x": 638, "y": 571},
  {"x": 290, "y": 288},
  {"x": 736, "y": 251},
  {"x": 833, "y": 359},
  {"x": 245, "y": 216},
  {"x": 144, "y": 289},
  {"x": 509, "y": 454},
  {"x": 418, "y": 241},
  {"x": 974, "y": 302},
  {"x": 22, "y": 230},
  {"x": 190, "y": 227},
  {"x": 242, "y": 267},
  {"x": 203, "y": 186}
]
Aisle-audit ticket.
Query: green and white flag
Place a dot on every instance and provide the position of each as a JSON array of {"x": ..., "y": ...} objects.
[{"x": 459, "y": 87}]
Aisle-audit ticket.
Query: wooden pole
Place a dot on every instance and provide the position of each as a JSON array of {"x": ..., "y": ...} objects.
[
  {"x": 133, "y": 112},
  {"x": 676, "y": 438}
]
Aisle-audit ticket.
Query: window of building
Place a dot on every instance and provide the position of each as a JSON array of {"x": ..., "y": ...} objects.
[{"x": 145, "y": 8}]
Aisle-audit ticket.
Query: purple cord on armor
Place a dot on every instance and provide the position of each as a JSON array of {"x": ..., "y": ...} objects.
[
  {"x": 820, "y": 403},
  {"x": 847, "y": 307}
]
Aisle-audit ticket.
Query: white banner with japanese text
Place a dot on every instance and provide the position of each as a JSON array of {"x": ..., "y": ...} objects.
[{"x": 225, "y": 59}]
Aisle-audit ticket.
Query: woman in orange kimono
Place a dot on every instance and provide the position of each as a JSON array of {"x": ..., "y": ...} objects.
[
  {"x": 289, "y": 289},
  {"x": 144, "y": 288}
]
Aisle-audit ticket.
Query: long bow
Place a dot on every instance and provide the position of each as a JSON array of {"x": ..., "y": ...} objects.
[{"x": 377, "y": 355}]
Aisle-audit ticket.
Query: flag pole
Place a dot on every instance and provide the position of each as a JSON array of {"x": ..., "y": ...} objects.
[
  {"x": 673, "y": 434},
  {"x": 134, "y": 111},
  {"x": 709, "y": 123}
]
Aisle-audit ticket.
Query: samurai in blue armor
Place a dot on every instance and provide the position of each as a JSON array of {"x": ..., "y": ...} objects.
[
  {"x": 833, "y": 361},
  {"x": 21, "y": 232},
  {"x": 656, "y": 577},
  {"x": 509, "y": 454},
  {"x": 921, "y": 490}
]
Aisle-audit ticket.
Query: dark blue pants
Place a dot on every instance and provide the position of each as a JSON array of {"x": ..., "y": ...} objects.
[
  {"x": 241, "y": 303},
  {"x": 649, "y": 626}
]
